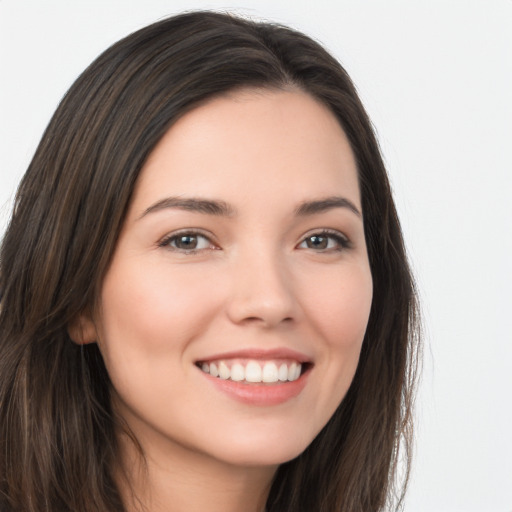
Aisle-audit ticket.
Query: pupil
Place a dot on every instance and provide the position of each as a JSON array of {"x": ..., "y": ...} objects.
[
  {"x": 318, "y": 242},
  {"x": 187, "y": 242}
]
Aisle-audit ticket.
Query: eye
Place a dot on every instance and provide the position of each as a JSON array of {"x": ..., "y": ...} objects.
[
  {"x": 187, "y": 242},
  {"x": 325, "y": 241}
]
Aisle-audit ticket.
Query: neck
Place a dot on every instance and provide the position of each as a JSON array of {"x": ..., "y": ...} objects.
[{"x": 186, "y": 481}]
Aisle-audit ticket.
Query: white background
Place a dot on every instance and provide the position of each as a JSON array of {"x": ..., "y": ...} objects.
[{"x": 436, "y": 77}]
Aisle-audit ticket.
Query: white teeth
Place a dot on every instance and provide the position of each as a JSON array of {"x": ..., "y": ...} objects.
[
  {"x": 270, "y": 373},
  {"x": 283, "y": 373},
  {"x": 292, "y": 372},
  {"x": 224, "y": 372},
  {"x": 237, "y": 372},
  {"x": 253, "y": 371}
]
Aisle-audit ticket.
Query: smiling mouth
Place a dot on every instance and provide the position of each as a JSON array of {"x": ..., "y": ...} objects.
[{"x": 252, "y": 371}]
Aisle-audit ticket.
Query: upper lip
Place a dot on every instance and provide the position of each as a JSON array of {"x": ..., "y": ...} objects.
[{"x": 260, "y": 354}]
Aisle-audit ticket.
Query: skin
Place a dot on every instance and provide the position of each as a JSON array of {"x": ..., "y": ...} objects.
[{"x": 257, "y": 280}]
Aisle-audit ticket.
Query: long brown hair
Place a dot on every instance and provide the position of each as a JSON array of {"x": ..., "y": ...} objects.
[{"x": 57, "y": 442}]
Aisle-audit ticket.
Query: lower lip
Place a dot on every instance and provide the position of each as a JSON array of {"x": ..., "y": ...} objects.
[{"x": 261, "y": 394}]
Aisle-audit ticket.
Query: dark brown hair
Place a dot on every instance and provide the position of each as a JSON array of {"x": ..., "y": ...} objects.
[{"x": 57, "y": 442}]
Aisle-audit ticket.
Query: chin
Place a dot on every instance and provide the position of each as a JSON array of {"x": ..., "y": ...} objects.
[{"x": 262, "y": 450}]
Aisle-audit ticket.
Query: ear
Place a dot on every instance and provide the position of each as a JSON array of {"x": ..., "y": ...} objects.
[{"x": 82, "y": 330}]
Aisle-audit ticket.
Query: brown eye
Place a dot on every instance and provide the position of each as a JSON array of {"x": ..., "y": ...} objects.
[
  {"x": 325, "y": 242},
  {"x": 317, "y": 242},
  {"x": 188, "y": 242}
]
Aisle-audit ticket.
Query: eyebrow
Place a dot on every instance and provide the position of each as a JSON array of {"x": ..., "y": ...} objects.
[
  {"x": 206, "y": 206},
  {"x": 325, "y": 204},
  {"x": 223, "y": 209}
]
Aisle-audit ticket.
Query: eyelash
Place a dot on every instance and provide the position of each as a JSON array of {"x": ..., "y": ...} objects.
[
  {"x": 342, "y": 242},
  {"x": 166, "y": 242}
]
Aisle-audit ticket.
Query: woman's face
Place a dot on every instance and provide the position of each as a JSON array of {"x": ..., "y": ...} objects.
[{"x": 241, "y": 263}]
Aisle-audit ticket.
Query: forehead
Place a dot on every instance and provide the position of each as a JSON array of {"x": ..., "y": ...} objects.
[{"x": 252, "y": 142}]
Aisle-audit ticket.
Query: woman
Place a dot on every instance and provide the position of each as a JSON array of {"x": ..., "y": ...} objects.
[{"x": 206, "y": 302}]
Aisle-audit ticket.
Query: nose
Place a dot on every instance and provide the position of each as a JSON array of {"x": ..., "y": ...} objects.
[{"x": 262, "y": 291}]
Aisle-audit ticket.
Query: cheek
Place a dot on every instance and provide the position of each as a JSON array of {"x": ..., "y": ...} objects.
[
  {"x": 149, "y": 314},
  {"x": 148, "y": 318},
  {"x": 340, "y": 307},
  {"x": 339, "y": 312}
]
